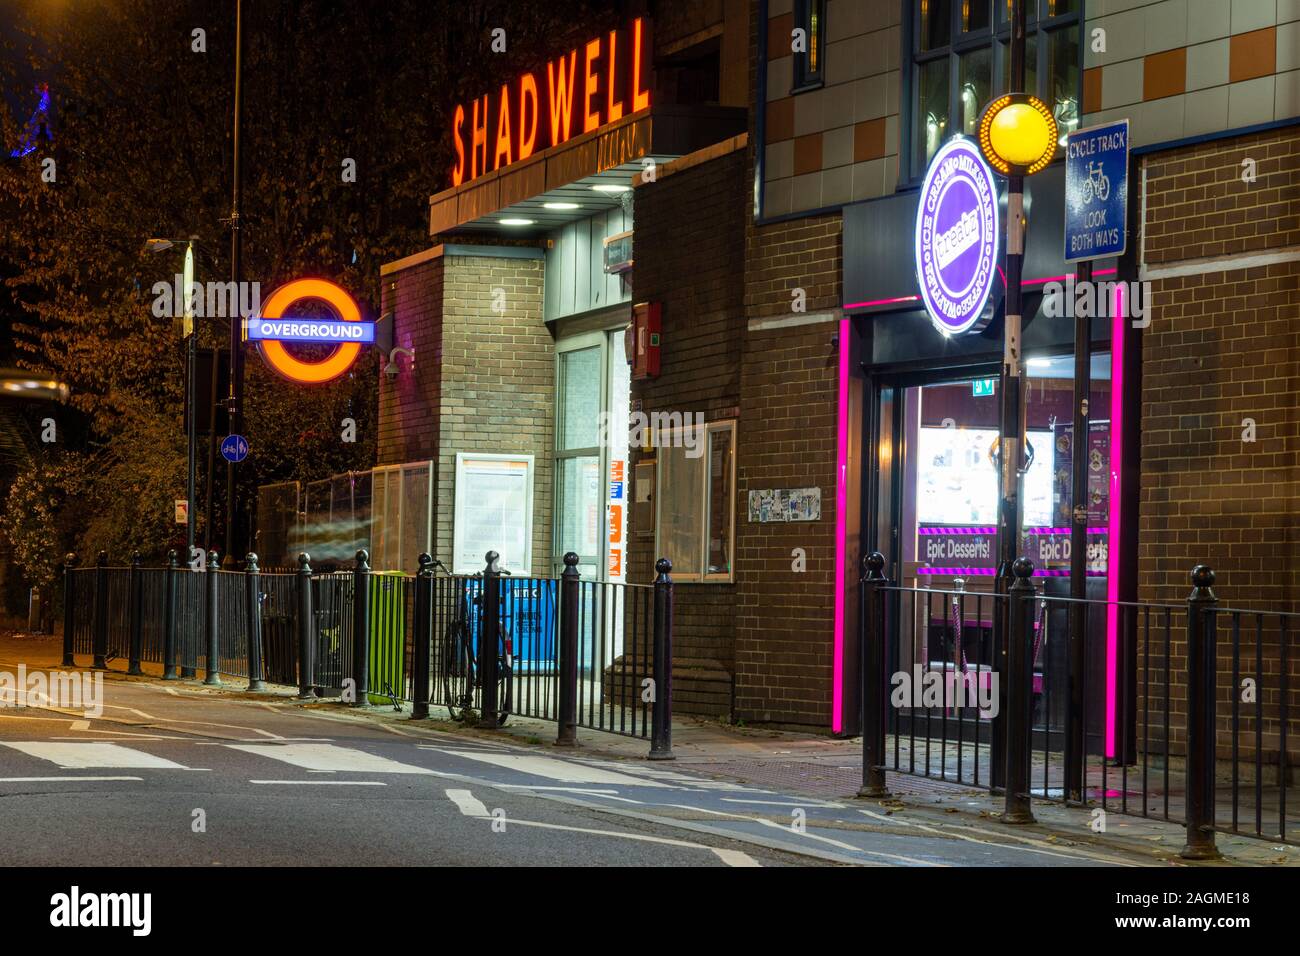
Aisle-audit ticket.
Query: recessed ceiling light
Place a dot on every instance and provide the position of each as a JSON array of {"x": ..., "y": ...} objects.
[
  {"x": 1039, "y": 362},
  {"x": 517, "y": 222},
  {"x": 610, "y": 188},
  {"x": 560, "y": 205}
]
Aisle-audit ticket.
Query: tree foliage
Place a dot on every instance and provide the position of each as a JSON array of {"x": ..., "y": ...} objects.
[{"x": 142, "y": 148}]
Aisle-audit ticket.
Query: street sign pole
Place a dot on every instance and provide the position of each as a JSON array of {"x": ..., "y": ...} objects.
[
  {"x": 1082, "y": 441},
  {"x": 1096, "y": 226},
  {"x": 1011, "y": 409},
  {"x": 236, "y": 320},
  {"x": 191, "y": 430}
]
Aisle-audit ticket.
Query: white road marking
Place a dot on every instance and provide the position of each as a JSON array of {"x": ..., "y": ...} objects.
[
  {"x": 350, "y": 720},
  {"x": 785, "y": 828},
  {"x": 686, "y": 780},
  {"x": 468, "y": 804},
  {"x": 471, "y": 806},
  {"x": 84, "y": 756},
  {"x": 1036, "y": 846},
  {"x": 61, "y": 779},
  {"x": 816, "y": 804},
  {"x": 80, "y": 725},
  {"x": 553, "y": 769},
  {"x": 533, "y": 786},
  {"x": 328, "y": 757},
  {"x": 325, "y": 783}
]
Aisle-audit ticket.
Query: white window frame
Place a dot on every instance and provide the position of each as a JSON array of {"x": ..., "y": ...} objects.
[{"x": 706, "y": 493}]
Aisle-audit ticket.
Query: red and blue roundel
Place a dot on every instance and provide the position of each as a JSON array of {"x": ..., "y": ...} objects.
[{"x": 957, "y": 237}]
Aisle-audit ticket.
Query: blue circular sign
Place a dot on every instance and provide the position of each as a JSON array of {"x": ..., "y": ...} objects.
[
  {"x": 234, "y": 448},
  {"x": 957, "y": 237}
]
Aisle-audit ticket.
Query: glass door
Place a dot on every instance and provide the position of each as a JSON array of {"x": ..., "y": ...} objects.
[
  {"x": 581, "y": 422},
  {"x": 935, "y": 515}
]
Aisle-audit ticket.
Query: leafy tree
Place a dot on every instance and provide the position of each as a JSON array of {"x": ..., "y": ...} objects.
[{"x": 142, "y": 147}]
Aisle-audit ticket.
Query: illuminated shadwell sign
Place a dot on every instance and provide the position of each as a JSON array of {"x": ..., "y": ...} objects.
[{"x": 589, "y": 87}]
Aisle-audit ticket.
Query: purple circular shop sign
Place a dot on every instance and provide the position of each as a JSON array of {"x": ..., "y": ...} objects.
[{"x": 957, "y": 236}]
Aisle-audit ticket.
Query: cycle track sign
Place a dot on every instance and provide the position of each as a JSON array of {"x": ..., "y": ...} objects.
[{"x": 1096, "y": 192}]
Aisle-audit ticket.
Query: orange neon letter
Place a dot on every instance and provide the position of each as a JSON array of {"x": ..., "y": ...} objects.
[
  {"x": 561, "y": 95},
  {"x": 590, "y": 120},
  {"x": 527, "y": 129},
  {"x": 614, "y": 108},
  {"x": 640, "y": 97},
  {"x": 503, "y": 131},
  {"x": 458, "y": 174},
  {"x": 479, "y": 138}
]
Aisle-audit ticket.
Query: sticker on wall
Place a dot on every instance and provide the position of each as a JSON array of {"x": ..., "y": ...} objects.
[{"x": 782, "y": 504}]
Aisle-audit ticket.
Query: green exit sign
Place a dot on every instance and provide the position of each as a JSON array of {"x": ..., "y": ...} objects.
[{"x": 983, "y": 387}]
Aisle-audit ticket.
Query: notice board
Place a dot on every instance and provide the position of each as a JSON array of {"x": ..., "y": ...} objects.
[{"x": 494, "y": 512}]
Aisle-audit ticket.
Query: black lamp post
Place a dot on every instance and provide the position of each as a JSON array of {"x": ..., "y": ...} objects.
[{"x": 235, "y": 402}]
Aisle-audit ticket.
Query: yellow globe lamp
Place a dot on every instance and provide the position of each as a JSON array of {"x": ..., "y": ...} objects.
[{"x": 1017, "y": 134}]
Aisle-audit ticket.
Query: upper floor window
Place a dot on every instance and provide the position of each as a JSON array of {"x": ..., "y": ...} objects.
[
  {"x": 961, "y": 60},
  {"x": 809, "y": 63}
]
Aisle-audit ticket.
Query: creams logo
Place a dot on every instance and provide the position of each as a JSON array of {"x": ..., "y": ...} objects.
[{"x": 957, "y": 237}]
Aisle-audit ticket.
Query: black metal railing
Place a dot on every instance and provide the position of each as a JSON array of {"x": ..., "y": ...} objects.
[
  {"x": 581, "y": 653},
  {"x": 1174, "y": 712}
]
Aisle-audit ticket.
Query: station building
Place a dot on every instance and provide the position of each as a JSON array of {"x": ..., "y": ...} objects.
[{"x": 820, "y": 353}]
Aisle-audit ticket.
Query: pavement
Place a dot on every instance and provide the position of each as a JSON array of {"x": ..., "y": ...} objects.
[{"x": 181, "y": 773}]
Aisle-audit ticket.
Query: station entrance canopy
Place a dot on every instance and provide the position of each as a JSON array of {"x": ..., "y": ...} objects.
[{"x": 554, "y": 144}]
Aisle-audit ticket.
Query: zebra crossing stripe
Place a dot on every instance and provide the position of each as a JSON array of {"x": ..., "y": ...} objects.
[
  {"x": 328, "y": 757},
  {"x": 86, "y": 756}
]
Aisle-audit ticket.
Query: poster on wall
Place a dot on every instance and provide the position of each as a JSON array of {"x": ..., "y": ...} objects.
[
  {"x": 1098, "y": 473},
  {"x": 615, "y": 507},
  {"x": 494, "y": 512},
  {"x": 785, "y": 504}
]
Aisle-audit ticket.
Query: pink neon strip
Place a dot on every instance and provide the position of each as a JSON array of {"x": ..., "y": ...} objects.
[
  {"x": 895, "y": 301},
  {"x": 841, "y": 528},
  {"x": 917, "y": 298},
  {"x": 1099, "y": 272},
  {"x": 1112, "y": 560},
  {"x": 1038, "y": 572},
  {"x": 991, "y": 530}
]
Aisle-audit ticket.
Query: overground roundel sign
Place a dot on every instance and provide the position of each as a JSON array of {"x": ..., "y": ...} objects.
[
  {"x": 957, "y": 237},
  {"x": 277, "y": 356}
]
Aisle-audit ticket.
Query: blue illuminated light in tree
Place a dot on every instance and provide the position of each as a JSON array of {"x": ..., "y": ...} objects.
[{"x": 37, "y": 127}]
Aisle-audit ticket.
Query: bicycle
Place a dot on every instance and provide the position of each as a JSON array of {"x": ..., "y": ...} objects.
[
  {"x": 460, "y": 671},
  {"x": 1097, "y": 182}
]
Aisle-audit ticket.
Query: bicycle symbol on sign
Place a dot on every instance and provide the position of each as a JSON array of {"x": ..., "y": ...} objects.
[{"x": 1097, "y": 183}]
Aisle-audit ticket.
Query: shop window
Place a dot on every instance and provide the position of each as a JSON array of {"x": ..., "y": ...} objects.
[
  {"x": 961, "y": 60},
  {"x": 697, "y": 501},
  {"x": 810, "y": 63}
]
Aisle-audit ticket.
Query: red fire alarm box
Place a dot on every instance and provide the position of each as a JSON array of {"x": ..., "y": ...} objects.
[{"x": 642, "y": 341}]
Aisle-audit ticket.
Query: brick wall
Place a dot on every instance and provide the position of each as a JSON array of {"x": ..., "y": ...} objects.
[
  {"x": 1223, "y": 347},
  {"x": 785, "y": 619},
  {"x": 690, "y": 228},
  {"x": 498, "y": 383}
]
